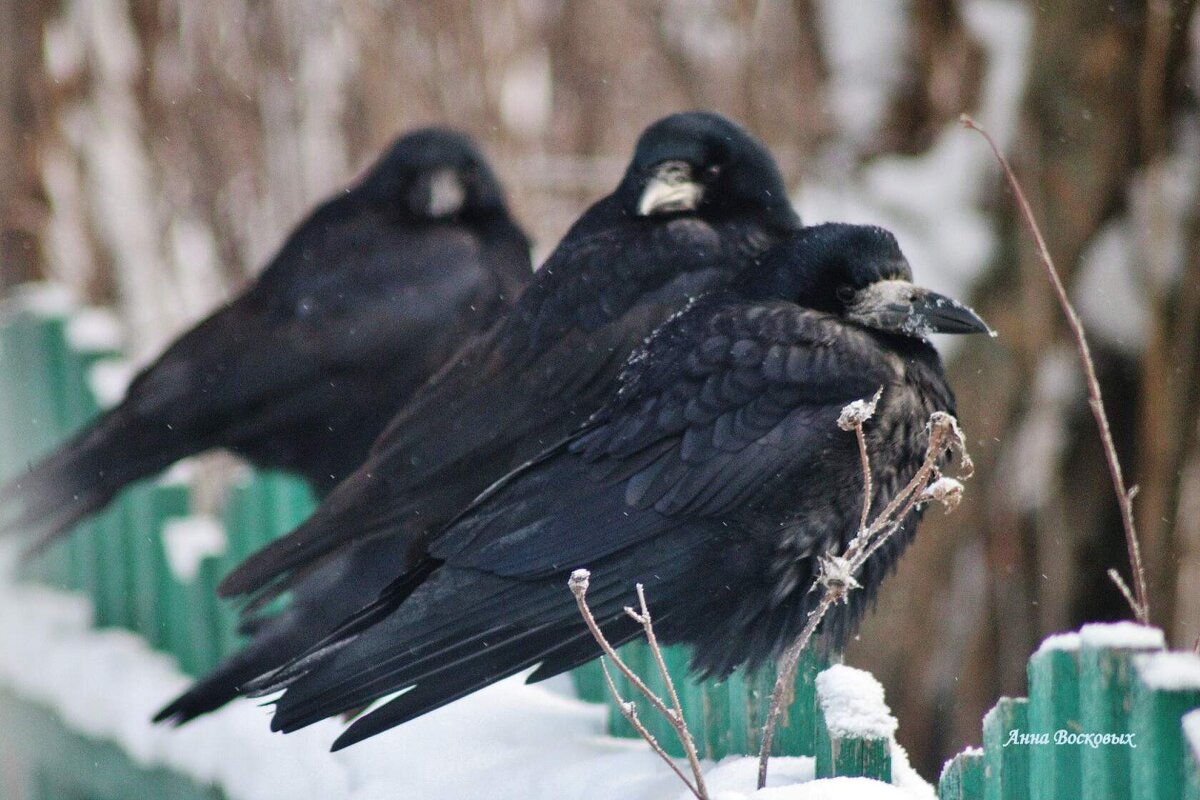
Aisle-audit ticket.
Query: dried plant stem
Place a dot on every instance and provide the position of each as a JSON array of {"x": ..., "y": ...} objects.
[
  {"x": 629, "y": 712},
  {"x": 1139, "y": 602},
  {"x": 579, "y": 586},
  {"x": 837, "y": 572},
  {"x": 866, "y": 469}
]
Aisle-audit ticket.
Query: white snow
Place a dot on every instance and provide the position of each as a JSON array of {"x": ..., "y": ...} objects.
[
  {"x": 189, "y": 540},
  {"x": 1169, "y": 672},
  {"x": 507, "y": 741},
  {"x": 970, "y": 751},
  {"x": 1191, "y": 729},
  {"x": 935, "y": 202},
  {"x": 526, "y": 94},
  {"x": 835, "y": 789},
  {"x": 1121, "y": 635},
  {"x": 93, "y": 330},
  {"x": 853, "y": 705},
  {"x": 44, "y": 299},
  {"x": 1060, "y": 641},
  {"x": 108, "y": 380}
]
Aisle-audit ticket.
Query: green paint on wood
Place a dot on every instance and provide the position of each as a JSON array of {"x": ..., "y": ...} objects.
[
  {"x": 1054, "y": 770},
  {"x": 962, "y": 777},
  {"x": 1006, "y": 754},
  {"x": 1106, "y": 702},
  {"x": 1158, "y": 759},
  {"x": 852, "y": 752},
  {"x": 1191, "y": 762}
]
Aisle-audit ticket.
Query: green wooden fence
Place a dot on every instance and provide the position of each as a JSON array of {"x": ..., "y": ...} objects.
[
  {"x": 127, "y": 560},
  {"x": 122, "y": 558},
  {"x": 1104, "y": 719}
]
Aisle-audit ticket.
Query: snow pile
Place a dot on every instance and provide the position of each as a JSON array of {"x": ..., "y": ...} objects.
[
  {"x": 509, "y": 740},
  {"x": 1060, "y": 641},
  {"x": 189, "y": 540},
  {"x": 1169, "y": 672},
  {"x": 1191, "y": 730},
  {"x": 852, "y": 703},
  {"x": 835, "y": 789},
  {"x": 1121, "y": 636},
  {"x": 93, "y": 330},
  {"x": 44, "y": 299},
  {"x": 108, "y": 380}
]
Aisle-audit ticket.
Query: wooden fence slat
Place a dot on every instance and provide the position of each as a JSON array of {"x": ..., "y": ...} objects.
[
  {"x": 854, "y": 728},
  {"x": 1167, "y": 686},
  {"x": 1106, "y": 685},
  {"x": 1054, "y": 769},
  {"x": 962, "y": 777},
  {"x": 1006, "y": 756}
]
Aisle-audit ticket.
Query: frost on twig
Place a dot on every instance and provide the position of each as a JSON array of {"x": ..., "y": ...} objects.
[
  {"x": 836, "y": 573},
  {"x": 578, "y": 584}
]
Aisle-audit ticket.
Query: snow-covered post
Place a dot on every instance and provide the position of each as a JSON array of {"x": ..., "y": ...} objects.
[
  {"x": 962, "y": 777},
  {"x": 1106, "y": 681},
  {"x": 1005, "y": 752},
  {"x": 1167, "y": 685},
  {"x": 854, "y": 725},
  {"x": 1054, "y": 706}
]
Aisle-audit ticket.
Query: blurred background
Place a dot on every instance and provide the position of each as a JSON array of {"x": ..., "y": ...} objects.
[{"x": 156, "y": 151}]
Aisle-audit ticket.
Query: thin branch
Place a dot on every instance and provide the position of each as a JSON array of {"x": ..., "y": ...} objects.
[
  {"x": 677, "y": 722},
  {"x": 629, "y": 712},
  {"x": 1140, "y": 605},
  {"x": 578, "y": 584},
  {"x": 836, "y": 573}
]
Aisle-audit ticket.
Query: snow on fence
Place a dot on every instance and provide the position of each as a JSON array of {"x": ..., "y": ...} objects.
[
  {"x": 151, "y": 566},
  {"x": 1104, "y": 719}
]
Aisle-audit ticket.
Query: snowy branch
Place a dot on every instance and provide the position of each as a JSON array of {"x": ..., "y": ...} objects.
[
  {"x": 836, "y": 573},
  {"x": 578, "y": 583}
]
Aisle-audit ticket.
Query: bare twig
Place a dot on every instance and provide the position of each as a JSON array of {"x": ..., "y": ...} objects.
[
  {"x": 629, "y": 712},
  {"x": 677, "y": 720},
  {"x": 1138, "y": 602},
  {"x": 578, "y": 584},
  {"x": 836, "y": 573}
]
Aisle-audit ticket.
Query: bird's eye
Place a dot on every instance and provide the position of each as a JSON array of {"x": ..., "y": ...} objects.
[
  {"x": 713, "y": 170},
  {"x": 845, "y": 293}
]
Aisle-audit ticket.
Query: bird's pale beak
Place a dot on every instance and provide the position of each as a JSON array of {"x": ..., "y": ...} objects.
[
  {"x": 898, "y": 306},
  {"x": 670, "y": 188},
  {"x": 446, "y": 194}
]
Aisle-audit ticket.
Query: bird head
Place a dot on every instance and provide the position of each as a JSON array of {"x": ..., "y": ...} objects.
[
  {"x": 434, "y": 173},
  {"x": 702, "y": 164},
  {"x": 858, "y": 273}
]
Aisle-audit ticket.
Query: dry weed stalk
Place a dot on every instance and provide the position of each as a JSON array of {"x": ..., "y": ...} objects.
[
  {"x": 1137, "y": 599},
  {"x": 578, "y": 584},
  {"x": 836, "y": 572}
]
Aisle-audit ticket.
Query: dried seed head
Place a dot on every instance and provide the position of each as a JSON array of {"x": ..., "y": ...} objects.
[
  {"x": 946, "y": 491},
  {"x": 578, "y": 581},
  {"x": 836, "y": 574},
  {"x": 856, "y": 413}
]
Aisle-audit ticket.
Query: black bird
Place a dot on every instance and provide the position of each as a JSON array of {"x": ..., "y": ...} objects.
[
  {"x": 701, "y": 200},
  {"x": 716, "y": 475},
  {"x": 363, "y": 302}
]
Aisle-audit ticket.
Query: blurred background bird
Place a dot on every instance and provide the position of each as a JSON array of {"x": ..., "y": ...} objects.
[
  {"x": 715, "y": 474},
  {"x": 365, "y": 299},
  {"x": 700, "y": 201}
]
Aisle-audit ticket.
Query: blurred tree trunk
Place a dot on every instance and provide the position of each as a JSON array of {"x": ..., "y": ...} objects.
[
  {"x": 1027, "y": 552},
  {"x": 23, "y": 212}
]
